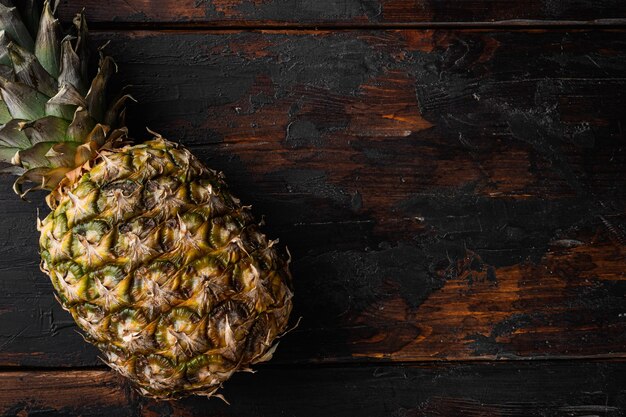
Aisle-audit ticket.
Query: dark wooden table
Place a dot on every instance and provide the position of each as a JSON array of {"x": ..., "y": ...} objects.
[{"x": 449, "y": 175}]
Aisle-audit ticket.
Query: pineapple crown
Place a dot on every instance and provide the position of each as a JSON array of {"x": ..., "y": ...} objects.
[{"x": 54, "y": 119}]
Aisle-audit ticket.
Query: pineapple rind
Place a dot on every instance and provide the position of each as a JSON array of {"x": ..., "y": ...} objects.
[{"x": 165, "y": 271}]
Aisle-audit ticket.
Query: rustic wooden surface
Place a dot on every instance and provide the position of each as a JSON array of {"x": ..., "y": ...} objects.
[
  {"x": 354, "y": 12},
  {"x": 479, "y": 389},
  {"x": 450, "y": 196}
]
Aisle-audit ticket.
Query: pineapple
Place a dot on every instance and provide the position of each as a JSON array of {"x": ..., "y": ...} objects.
[{"x": 162, "y": 268}]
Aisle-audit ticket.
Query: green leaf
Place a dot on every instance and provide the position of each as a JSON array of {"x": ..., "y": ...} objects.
[
  {"x": 47, "y": 46},
  {"x": 12, "y": 136},
  {"x": 7, "y": 154},
  {"x": 23, "y": 101},
  {"x": 60, "y": 110},
  {"x": 29, "y": 71},
  {"x": 35, "y": 156},
  {"x": 68, "y": 95},
  {"x": 11, "y": 22},
  {"x": 63, "y": 154},
  {"x": 5, "y": 114},
  {"x": 81, "y": 126},
  {"x": 47, "y": 129}
]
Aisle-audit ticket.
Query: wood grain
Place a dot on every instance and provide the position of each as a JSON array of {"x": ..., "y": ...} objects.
[
  {"x": 486, "y": 390},
  {"x": 445, "y": 194},
  {"x": 329, "y": 12}
]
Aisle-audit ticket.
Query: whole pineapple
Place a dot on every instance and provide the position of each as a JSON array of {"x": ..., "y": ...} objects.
[{"x": 161, "y": 267}]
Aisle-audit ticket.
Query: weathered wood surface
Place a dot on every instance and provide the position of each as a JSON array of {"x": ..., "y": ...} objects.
[
  {"x": 482, "y": 389},
  {"x": 448, "y": 194},
  {"x": 358, "y": 12}
]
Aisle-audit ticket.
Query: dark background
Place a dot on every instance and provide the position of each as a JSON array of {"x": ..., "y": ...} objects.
[{"x": 449, "y": 176}]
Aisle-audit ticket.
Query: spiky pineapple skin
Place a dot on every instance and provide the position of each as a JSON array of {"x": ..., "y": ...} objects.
[{"x": 165, "y": 271}]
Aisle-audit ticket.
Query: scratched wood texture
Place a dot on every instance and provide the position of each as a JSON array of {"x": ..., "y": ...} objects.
[
  {"x": 445, "y": 194},
  {"x": 477, "y": 390},
  {"x": 453, "y": 198},
  {"x": 330, "y": 12}
]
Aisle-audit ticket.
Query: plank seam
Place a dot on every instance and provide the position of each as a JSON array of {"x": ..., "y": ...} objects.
[
  {"x": 356, "y": 364},
  {"x": 515, "y": 25}
]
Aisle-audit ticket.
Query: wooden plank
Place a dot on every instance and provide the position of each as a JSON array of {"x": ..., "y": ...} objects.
[
  {"x": 483, "y": 389},
  {"x": 358, "y": 12},
  {"x": 84, "y": 393},
  {"x": 445, "y": 194}
]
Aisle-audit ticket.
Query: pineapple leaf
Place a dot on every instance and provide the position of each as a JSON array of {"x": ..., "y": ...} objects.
[
  {"x": 84, "y": 153},
  {"x": 63, "y": 111},
  {"x": 13, "y": 170},
  {"x": 70, "y": 66},
  {"x": 63, "y": 154},
  {"x": 47, "y": 47},
  {"x": 47, "y": 129},
  {"x": 35, "y": 176},
  {"x": 23, "y": 101},
  {"x": 45, "y": 178},
  {"x": 5, "y": 115},
  {"x": 80, "y": 127},
  {"x": 82, "y": 44},
  {"x": 29, "y": 71},
  {"x": 51, "y": 107},
  {"x": 6, "y": 71},
  {"x": 35, "y": 156},
  {"x": 98, "y": 135},
  {"x": 96, "y": 97},
  {"x": 115, "y": 114},
  {"x": 7, "y": 154},
  {"x": 5, "y": 59},
  {"x": 69, "y": 96},
  {"x": 11, "y": 23},
  {"x": 12, "y": 136},
  {"x": 31, "y": 13}
]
